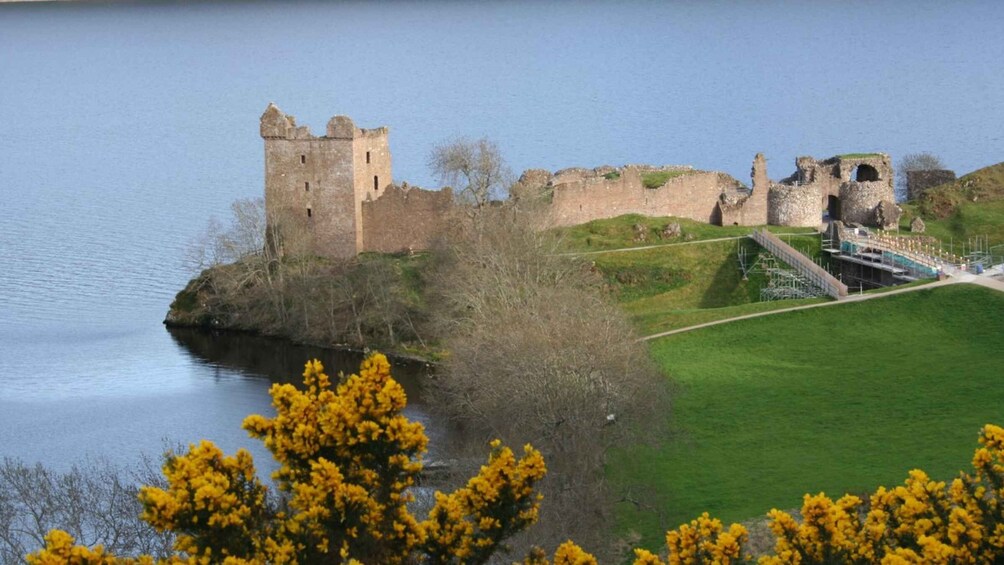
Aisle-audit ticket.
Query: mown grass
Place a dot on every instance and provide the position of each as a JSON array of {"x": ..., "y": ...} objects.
[{"x": 838, "y": 399}]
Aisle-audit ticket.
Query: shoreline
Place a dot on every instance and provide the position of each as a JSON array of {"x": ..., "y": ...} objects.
[{"x": 396, "y": 357}]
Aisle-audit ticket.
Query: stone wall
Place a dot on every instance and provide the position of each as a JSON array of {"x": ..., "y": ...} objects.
[
  {"x": 315, "y": 186},
  {"x": 405, "y": 218},
  {"x": 858, "y": 200},
  {"x": 372, "y": 170},
  {"x": 917, "y": 182},
  {"x": 794, "y": 205},
  {"x": 859, "y": 182},
  {"x": 583, "y": 195},
  {"x": 742, "y": 207},
  {"x": 308, "y": 188}
]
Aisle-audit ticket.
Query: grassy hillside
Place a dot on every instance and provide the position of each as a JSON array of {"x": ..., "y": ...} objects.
[
  {"x": 967, "y": 220},
  {"x": 837, "y": 399},
  {"x": 981, "y": 185},
  {"x": 618, "y": 233},
  {"x": 682, "y": 281},
  {"x": 973, "y": 205}
]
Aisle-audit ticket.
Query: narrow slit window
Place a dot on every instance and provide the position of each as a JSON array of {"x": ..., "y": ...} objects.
[
  {"x": 306, "y": 186},
  {"x": 303, "y": 159},
  {"x": 309, "y": 214},
  {"x": 376, "y": 183},
  {"x": 367, "y": 157}
]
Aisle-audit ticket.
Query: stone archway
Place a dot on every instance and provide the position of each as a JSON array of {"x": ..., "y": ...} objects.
[{"x": 865, "y": 173}]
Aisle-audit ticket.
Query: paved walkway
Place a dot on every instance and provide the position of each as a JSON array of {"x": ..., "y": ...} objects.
[{"x": 962, "y": 278}]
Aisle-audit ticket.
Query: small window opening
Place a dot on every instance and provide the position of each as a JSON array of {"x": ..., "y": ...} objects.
[
  {"x": 376, "y": 183},
  {"x": 309, "y": 214},
  {"x": 303, "y": 159},
  {"x": 367, "y": 157},
  {"x": 306, "y": 186}
]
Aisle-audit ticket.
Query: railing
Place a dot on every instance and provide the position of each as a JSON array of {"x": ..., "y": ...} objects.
[{"x": 802, "y": 264}]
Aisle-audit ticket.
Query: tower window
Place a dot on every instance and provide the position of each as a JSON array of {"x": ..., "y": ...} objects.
[
  {"x": 303, "y": 159},
  {"x": 367, "y": 157},
  {"x": 306, "y": 186},
  {"x": 376, "y": 183},
  {"x": 309, "y": 213}
]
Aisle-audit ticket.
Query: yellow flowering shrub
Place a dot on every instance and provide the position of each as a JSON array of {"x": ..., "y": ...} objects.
[
  {"x": 467, "y": 525},
  {"x": 348, "y": 459},
  {"x": 214, "y": 503},
  {"x": 703, "y": 540},
  {"x": 920, "y": 521}
]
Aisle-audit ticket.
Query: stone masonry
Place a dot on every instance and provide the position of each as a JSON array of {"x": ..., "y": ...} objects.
[
  {"x": 743, "y": 207},
  {"x": 334, "y": 196},
  {"x": 917, "y": 182},
  {"x": 582, "y": 195},
  {"x": 315, "y": 186}
]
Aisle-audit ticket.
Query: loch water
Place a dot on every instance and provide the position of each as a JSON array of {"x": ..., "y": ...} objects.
[{"x": 126, "y": 125}]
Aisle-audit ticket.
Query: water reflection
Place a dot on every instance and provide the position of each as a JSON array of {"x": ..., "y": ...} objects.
[{"x": 229, "y": 355}]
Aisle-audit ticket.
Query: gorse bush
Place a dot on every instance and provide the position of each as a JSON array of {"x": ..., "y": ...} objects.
[
  {"x": 349, "y": 459},
  {"x": 921, "y": 521}
]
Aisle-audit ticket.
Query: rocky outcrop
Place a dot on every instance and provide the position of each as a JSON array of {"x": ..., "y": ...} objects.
[{"x": 887, "y": 214}]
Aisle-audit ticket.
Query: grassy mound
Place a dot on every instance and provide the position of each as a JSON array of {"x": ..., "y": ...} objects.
[
  {"x": 968, "y": 219},
  {"x": 837, "y": 399},
  {"x": 980, "y": 186}
]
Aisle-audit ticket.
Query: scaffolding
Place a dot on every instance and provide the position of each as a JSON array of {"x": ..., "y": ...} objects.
[
  {"x": 978, "y": 255},
  {"x": 782, "y": 281}
]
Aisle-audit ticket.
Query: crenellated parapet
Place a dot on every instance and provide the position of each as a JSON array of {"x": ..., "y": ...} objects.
[{"x": 317, "y": 184}]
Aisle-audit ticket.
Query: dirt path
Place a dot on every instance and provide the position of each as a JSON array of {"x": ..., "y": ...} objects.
[{"x": 963, "y": 278}]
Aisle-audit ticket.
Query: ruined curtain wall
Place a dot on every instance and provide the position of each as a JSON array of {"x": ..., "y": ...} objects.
[
  {"x": 405, "y": 219},
  {"x": 693, "y": 195}
]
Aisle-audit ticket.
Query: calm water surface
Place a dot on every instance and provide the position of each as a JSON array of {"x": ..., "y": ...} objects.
[{"x": 125, "y": 126}]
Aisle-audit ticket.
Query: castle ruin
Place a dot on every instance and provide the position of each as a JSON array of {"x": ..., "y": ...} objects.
[
  {"x": 334, "y": 196},
  {"x": 321, "y": 192}
]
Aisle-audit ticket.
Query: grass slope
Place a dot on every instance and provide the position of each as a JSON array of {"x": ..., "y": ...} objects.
[
  {"x": 967, "y": 220},
  {"x": 972, "y": 205},
  {"x": 981, "y": 185},
  {"x": 838, "y": 399},
  {"x": 679, "y": 283},
  {"x": 618, "y": 233}
]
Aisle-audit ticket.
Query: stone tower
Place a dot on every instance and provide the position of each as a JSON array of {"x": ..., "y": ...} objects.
[{"x": 315, "y": 186}]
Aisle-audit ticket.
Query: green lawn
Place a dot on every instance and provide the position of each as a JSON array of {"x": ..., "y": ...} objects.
[
  {"x": 838, "y": 399},
  {"x": 618, "y": 233},
  {"x": 674, "y": 286}
]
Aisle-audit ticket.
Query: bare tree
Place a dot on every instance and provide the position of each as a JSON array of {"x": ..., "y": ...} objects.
[
  {"x": 474, "y": 168},
  {"x": 220, "y": 244},
  {"x": 923, "y": 161},
  {"x": 537, "y": 354},
  {"x": 95, "y": 503}
]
